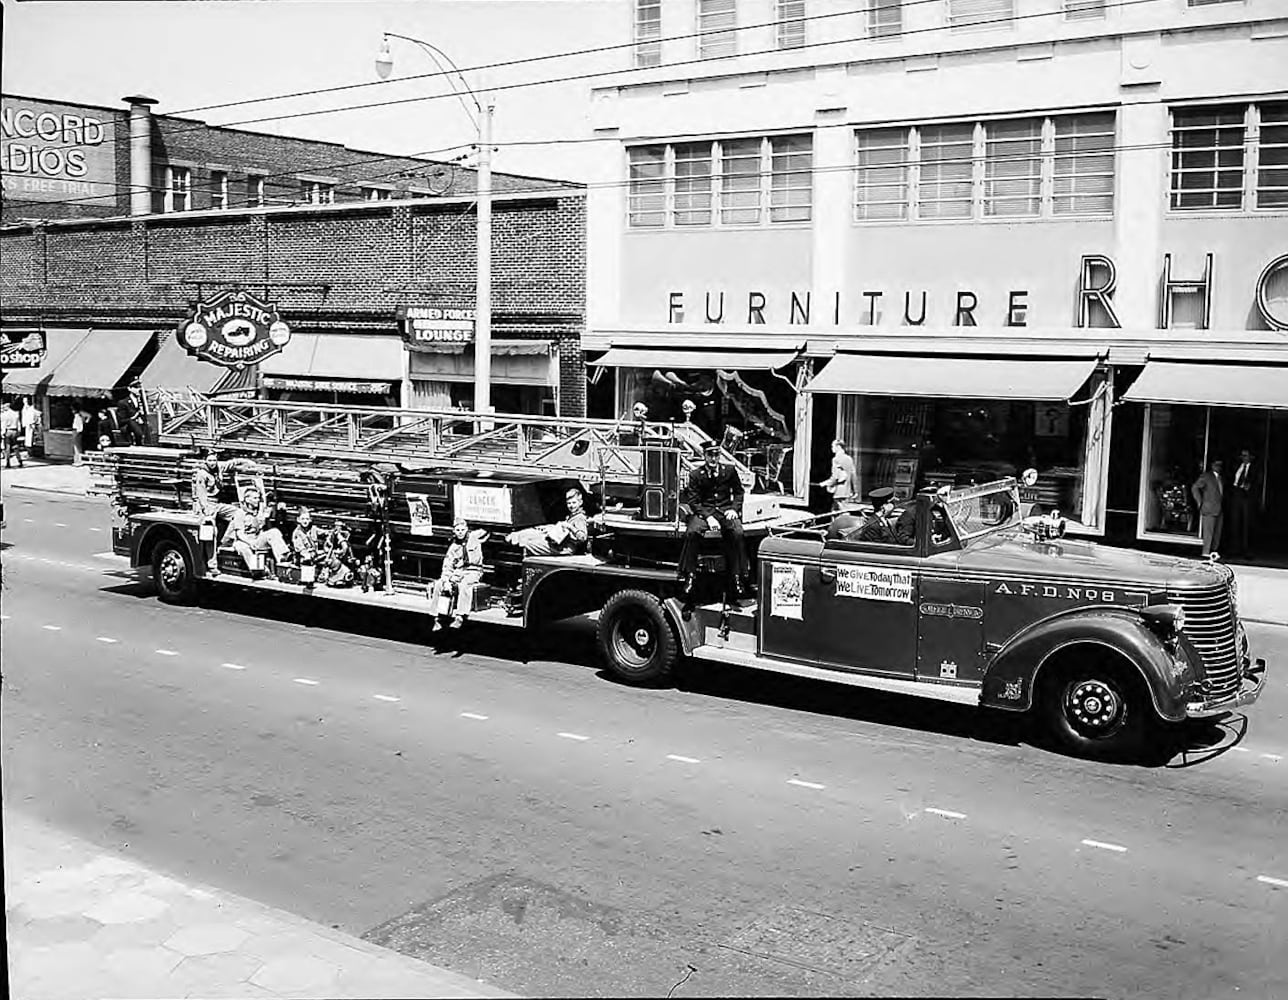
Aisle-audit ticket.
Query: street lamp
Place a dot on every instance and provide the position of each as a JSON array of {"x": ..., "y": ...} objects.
[{"x": 481, "y": 116}]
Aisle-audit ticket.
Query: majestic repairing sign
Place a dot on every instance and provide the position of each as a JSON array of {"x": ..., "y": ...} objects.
[
  {"x": 234, "y": 329},
  {"x": 22, "y": 349}
]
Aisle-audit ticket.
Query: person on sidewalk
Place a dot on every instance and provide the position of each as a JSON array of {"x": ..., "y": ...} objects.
[
  {"x": 843, "y": 484},
  {"x": 714, "y": 496},
  {"x": 11, "y": 431},
  {"x": 30, "y": 424},
  {"x": 462, "y": 571},
  {"x": 1243, "y": 502},
  {"x": 252, "y": 535},
  {"x": 1209, "y": 493},
  {"x": 80, "y": 428}
]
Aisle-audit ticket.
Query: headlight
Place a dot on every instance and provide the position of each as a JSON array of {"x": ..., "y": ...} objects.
[{"x": 1167, "y": 620}]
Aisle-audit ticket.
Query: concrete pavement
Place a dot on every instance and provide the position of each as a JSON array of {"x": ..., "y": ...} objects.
[
  {"x": 46, "y": 477},
  {"x": 86, "y": 923},
  {"x": 508, "y": 813}
]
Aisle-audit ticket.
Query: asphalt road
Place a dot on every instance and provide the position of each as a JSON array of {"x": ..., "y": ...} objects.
[{"x": 504, "y": 809}]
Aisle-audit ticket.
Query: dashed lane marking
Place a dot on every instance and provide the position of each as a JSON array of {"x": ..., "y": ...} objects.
[
  {"x": 59, "y": 524},
  {"x": 27, "y": 520},
  {"x": 232, "y": 666},
  {"x": 52, "y": 628},
  {"x": 805, "y": 784},
  {"x": 1105, "y": 847},
  {"x": 1272, "y": 756},
  {"x": 305, "y": 680},
  {"x": 1281, "y": 883},
  {"x": 385, "y": 697},
  {"x": 104, "y": 638},
  {"x": 683, "y": 760},
  {"x": 166, "y": 652},
  {"x": 574, "y": 736},
  {"x": 95, "y": 529},
  {"x": 474, "y": 715},
  {"x": 946, "y": 813},
  {"x": 1241, "y": 750}
]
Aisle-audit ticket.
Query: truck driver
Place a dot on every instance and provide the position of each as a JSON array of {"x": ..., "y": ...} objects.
[
  {"x": 878, "y": 527},
  {"x": 714, "y": 498}
]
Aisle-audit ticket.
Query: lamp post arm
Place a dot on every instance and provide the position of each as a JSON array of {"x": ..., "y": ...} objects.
[{"x": 439, "y": 57}]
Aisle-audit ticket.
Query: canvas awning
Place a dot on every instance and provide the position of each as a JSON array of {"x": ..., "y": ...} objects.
[
  {"x": 174, "y": 368},
  {"x": 514, "y": 362},
  {"x": 1265, "y": 387},
  {"x": 957, "y": 378},
  {"x": 58, "y": 345},
  {"x": 649, "y": 357},
  {"x": 345, "y": 356},
  {"x": 98, "y": 363}
]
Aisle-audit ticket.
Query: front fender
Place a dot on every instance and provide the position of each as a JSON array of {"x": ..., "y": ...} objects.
[{"x": 1014, "y": 670}]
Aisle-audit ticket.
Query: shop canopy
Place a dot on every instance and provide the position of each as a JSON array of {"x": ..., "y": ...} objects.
[
  {"x": 98, "y": 363},
  {"x": 1211, "y": 384},
  {"x": 28, "y": 381},
  {"x": 957, "y": 378},
  {"x": 174, "y": 368},
  {"x": 344, "y": 356},
  {"x": 652, "y": 357}
]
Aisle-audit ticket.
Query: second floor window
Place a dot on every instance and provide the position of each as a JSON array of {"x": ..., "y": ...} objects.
[
  {"x": 1230, "y": 156},
  {"x": 885, "y": 18},
  {"x": 716, "y": 22},
  {"x": 218, "y": 189},
  {"x": 733, "y": 182},
  {"x": 789, "y": 20},
  {"x": 255, "y": 190},
  {"x": 178, "y": 189},
  {"x": 1083, "y": 10},
  {"x": 319, "y": 193},
  {"x": 980, "y": 13},
  {"x": 648, "y": 33}
]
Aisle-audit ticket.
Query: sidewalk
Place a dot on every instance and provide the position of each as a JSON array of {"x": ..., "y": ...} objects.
[
  {"x": 46, "y": 477},
  {"x": 84, "y": 923}
]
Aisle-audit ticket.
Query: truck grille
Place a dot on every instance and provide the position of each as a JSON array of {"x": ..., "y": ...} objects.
[{"x": 1210, "y": 626}]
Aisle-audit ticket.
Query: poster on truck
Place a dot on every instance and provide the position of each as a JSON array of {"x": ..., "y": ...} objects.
[{"x": 787, "y": 587}]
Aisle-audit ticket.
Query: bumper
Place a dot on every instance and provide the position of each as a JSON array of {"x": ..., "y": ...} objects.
[{"x": 1254, "y": 679}]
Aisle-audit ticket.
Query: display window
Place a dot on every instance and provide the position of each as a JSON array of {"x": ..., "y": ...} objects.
[
  {"x": 438, "y": 394},
  {"x": 912, "y": 443},
  {"x": 752, "y": 412}
]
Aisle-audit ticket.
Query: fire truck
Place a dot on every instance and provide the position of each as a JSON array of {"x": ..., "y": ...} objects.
[{"x": 979, "y": 602}]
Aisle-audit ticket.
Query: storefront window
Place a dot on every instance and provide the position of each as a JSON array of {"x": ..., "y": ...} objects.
[
  {"x": 1176, "y": 439},
  {"x": 910, "y": 443}
]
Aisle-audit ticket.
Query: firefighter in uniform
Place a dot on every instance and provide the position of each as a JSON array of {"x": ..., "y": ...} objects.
[
  {"x": 713, "y": 495},
  {"x": 207, "y": 482}
]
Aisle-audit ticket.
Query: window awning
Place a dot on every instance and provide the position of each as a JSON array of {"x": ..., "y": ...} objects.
[
  {"x": 58, "y": 345},
  {"x": 99, "y": 362},
  {"x": 958, "y": 378},
  {"x": 514, "y": 362},
  {"x": 649, "y": 357},
  {"x": 1211, "y": 384},
  {"x": 348, "y": 356},
  {"x": 174, "y": 368},
  {"x": 500, "y": 348}
]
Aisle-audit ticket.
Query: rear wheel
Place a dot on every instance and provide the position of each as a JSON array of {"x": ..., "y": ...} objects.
[
  {"x": 1098, "y": 709},
  {"x": 636, "y": 638},
  {"x": 172, "y": 571}
]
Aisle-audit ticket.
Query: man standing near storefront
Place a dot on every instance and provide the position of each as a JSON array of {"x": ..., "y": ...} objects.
[
  {"x": 843, "y": 484},
  {"x": 1209, "y": 494},
  {"x": 1243, "y": 494}
]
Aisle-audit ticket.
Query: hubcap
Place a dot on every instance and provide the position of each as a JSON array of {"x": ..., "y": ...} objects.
[
  {"x": 173, "y": 570},
  {"x": 634, "y": 642},
  {"x": 641, "y": 637},
  {"x": 1094, "y": 705}
]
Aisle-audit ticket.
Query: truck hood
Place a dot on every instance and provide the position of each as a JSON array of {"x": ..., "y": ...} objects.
[{"x": 1015, "y": 553}]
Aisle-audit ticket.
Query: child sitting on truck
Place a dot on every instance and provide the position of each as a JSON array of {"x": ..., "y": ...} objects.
[{"x": 461, "y": 573}]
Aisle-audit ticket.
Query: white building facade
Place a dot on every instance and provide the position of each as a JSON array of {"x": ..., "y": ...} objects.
[{"x": 963, "y": 236}]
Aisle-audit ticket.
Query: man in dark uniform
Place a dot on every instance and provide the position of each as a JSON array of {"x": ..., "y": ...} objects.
[
  {"x": 878, "y": 527},
  {"x": 714, "y": 498}
]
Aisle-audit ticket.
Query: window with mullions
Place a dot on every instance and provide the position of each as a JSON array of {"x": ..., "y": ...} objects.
[
  {"x": 218, "y": 189},
  {"x": 1083, "y": 182},
  {"x": 789, "y": 16},
  {"x": 647, "y": 183},
  {"x": 1083, "y": 10},
  {"x": 178, "y": 189},
  {"x": 740, "y": 181},
  {"x": 1208, "y": 157},
  {"x": 947, "y": 170},
  {"x": 1272, "y": 156},
  {"x": 791, "y": 178},
  {"x": 980, "y": 13},
  {"x": 716, "y": 22},
  {"x": 885, "y": 18},
  {"x": 1013, "y": 167},
  {"x": 692, "y": 199},
  {"x": 883, "y": 166},
  {"x": 648, "y": 33}
]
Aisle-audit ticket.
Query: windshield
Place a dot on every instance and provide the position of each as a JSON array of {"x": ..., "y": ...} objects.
[{"x": 978, "y": 510}]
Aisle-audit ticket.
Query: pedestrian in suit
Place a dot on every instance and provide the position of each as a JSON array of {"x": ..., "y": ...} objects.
[
  {"x": 713, "y": 495},
  {"x": 1209, "y": 493},
  {"x": 843, "y": 484},
  {"x": 1243, "y": 498}
]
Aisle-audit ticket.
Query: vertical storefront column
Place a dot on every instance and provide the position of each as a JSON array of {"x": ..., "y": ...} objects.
[{"x": 1138, "y": 208}]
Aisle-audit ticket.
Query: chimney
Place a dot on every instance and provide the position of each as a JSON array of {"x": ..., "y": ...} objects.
[{"x": 140, "y": 153}]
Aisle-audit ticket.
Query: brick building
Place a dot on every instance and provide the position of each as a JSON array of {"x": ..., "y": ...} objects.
[{"x": 108, "y": 284}]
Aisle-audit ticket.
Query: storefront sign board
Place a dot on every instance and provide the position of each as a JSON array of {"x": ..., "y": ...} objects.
[
  {"x": 22, "y": 349},
  {"x": 48, "y": 153},
  {"x": 234, "y": 329},
  {"x": 327, "y": 385},
  {"x": 423, "y": 326},
  {"x": 487, "y": 504}
]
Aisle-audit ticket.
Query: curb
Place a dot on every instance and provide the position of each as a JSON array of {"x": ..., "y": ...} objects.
[{"x": 49, "y": 489}]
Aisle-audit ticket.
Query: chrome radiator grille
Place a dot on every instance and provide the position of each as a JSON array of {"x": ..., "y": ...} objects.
[{"x": 1210, "y": 626}]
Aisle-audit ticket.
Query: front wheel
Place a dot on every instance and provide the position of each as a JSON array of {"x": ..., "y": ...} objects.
[
  {"x": 1098, "y": 711},
  {"x": 636, "y": 638},
  {"x": 172, "y": 571}
]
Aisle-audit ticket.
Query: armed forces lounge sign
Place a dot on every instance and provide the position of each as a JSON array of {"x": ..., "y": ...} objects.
[{"x": 234, "y": 329}]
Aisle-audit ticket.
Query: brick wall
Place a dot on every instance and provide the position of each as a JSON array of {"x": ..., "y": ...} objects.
[{"x": 327, "y": 268}]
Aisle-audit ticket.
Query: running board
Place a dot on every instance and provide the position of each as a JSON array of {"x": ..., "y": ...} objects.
[{"x": 960, "y": 695}]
